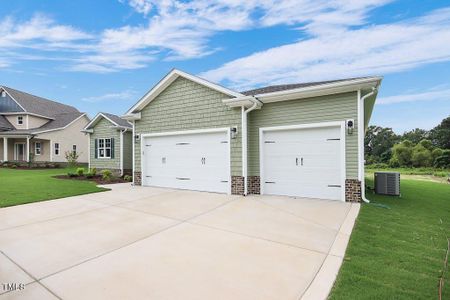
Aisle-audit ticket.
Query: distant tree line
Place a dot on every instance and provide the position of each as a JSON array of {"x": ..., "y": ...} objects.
[{"x": 415, "y": 148}]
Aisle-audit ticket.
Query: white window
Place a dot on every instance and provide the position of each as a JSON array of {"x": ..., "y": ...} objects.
[
  {"x": 74, "y": 149},
  {"x": 104, "y": 148},
  {"x": 20, "y": 120},
  {"x": 3, "y": 94},
  {"x": 37, "y": 148},
  {"x": 56, "y": 148}
]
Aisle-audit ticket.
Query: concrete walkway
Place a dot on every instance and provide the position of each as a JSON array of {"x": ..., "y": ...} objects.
[{"x": 152, "y": 243}]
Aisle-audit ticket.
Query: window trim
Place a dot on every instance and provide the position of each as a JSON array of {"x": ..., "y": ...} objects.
[
  {"x": 56, "y": 148},
  {"x": 36, "y": 148},
  {"x": 19, "y": 120},
  {"x": 104, "y": 148}
]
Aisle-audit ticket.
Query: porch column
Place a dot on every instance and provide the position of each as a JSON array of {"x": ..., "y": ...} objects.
[
  {"x": 28, "y": 149},
  {"x": 5, "y": 149}
]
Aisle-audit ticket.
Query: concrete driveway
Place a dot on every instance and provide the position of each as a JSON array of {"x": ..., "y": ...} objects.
[{"x": 152, "y": 243}]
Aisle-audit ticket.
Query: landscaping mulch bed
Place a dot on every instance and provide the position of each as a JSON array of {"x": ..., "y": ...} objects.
[{"x": 97, "y": 179}]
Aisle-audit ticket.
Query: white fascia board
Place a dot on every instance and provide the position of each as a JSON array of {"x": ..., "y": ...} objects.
[
  {"x": 132, "y": 116},
  {"x": 311, "y": 91},
  {"x": 96, "y": 119},
  {"x": 171, "y": 77}
]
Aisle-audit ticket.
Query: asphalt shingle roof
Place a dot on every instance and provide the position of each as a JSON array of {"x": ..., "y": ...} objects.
[
  {"x": 284, "y": 87},
  {"x": 118, "y": 120},
  {"x": 4, "y": 124},
  {"x": 40, "y": 106}
]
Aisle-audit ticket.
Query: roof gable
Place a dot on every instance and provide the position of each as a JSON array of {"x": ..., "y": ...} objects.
[
  {"x": 168, "y": 80},
  {"x": 113, "y": 119},
  {"x": 38, "y": 105}
]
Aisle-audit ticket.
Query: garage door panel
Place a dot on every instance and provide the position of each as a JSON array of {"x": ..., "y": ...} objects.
[
  {"x": 303, "y": 162},
  {"x": 191, "y": 161}
]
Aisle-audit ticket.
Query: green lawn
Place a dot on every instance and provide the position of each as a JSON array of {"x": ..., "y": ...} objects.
[
  {"x": 397, "y": 251},
  {"x": 25, "y": 186}
]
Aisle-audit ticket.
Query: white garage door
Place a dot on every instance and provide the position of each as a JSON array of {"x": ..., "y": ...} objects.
[
  {"x": 198, "y": 161},
  {"x": 303, "y": 162}
]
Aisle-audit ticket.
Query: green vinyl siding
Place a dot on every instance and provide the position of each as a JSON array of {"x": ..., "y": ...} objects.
[
  {"x": 103, "y": 130},
  {"x": 128, "y": 150},
  {"x": 338, "y": 107},
  {"x": 186, "y": 105}
]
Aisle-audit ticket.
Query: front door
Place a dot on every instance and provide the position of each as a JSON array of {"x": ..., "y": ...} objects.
[{"x": 19, "y": 151}]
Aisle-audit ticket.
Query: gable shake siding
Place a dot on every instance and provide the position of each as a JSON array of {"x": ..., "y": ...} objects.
[
  {"x": 330, "y": 108},
  {"x": 103, "y": 130},
  {"x": 186, "y": 105}
]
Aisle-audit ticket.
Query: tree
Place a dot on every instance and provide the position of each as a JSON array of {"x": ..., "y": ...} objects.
[
  {"x": 402, "y": 154},
  {"x": 440, "y": 135},
  {"x": 378, "y": 143},
  {"x": 72, "y": 158},
  {"x": 436, "y": 153},
  {"x": 443, "y": 161},
  {"x": 421, "y": 156},
  {"x": 416, "y": 135}
]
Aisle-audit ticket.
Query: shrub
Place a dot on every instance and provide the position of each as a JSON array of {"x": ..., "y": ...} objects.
[
  {"x": 443, "y": 161},
  {"x": 72, "y": 158},
  {"x": 127, "y": 178},
  {"x": 421, "y": 156},
  {"x": 13, "y": 166},
  {"x": 89, "y": 175},
  {"x": 80, "y": 171},
  {"x": 401, "y": 154},
  {"x": 436, "y": 153},
  {"x": 106, "y": 175},
  {"x": 56, "y": 165},
  {"x": 93, "y": 171},
  {"x": 72, "y": 174}
]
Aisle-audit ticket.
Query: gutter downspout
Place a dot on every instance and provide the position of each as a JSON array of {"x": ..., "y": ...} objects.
[
  {"x": 361, "y": 134},
  {"x": 256, "y": 104},
  {"x": 121, "y": 151}
]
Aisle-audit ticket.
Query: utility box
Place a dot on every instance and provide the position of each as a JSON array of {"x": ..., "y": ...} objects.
[{"x": 387, "y": 183}]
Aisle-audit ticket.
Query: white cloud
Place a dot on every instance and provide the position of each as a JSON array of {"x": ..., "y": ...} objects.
[
  {"x": 376, "y": 49},
  {"x": 434, "y": 94},
  {"x": 141, "y": 6},
  {"x": 125, "y": 95}
]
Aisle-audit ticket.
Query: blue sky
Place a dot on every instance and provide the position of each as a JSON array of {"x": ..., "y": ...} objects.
[{"x": 104, "y": 55}]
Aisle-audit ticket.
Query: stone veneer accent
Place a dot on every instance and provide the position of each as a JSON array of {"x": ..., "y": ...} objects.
[
  {"x": 352, "y": 190},
  {"x": 237, "y": 185},
  {"x": 137, "y": 178},
  {"x": 253, "y": 185}
]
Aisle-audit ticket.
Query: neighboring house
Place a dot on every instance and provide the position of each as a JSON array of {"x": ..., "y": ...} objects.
[
  {"x": 41, "y": 127},
  {"x": 110, "y": 139},
  {"x": 304, "y": 140}
]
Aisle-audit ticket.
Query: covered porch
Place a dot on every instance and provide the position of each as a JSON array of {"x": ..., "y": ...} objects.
[{"x": 23, "y": 148}]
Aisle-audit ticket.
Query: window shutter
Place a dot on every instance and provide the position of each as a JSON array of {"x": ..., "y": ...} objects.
[
  {"x": 112, "y": 148},
  {"x": 96, "y": 148}
]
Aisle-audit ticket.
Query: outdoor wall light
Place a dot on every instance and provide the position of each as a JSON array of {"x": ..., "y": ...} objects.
[
  {"x": 350, "y": 126},
  {"x": 233, "y": 132},
  {"x": 136, "y": 137}
]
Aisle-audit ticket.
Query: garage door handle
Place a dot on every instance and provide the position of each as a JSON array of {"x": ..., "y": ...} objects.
[
  {"x": 183, "y": 178},
  {"x": 296, "y": 161}
]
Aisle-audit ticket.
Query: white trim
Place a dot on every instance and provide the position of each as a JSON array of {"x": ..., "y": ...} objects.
[
  {"x": 133, "y": 141},
  {"x": 89, "y": 151},
  {"x": 104, "y": 147},
  {"x": 171, "y": 77},
  {"x": 121, "y": 153},
  {"x": 27, "y": 114},
  {"x": 185, "y": 132},
  {"x": 51, "y": 151},
  {"x": 21, "y": 120},
  {"x": 28, "y": 122},
  {"x": 360, "y": 141},
  {"x": 14, "y": 99},
  {"x": 60, "y": 128},
  {"x": 54, "y": 148},
  {"x": 15, "y": 150},
  {"x": 340, "y": 124},
  {"x": 308, "y": 92},
  {"x": 93, "y": 122},
  {"x": 195, "y": 131},
  {"x": 5, "y": 148},
  {"x": 28, "y": 149},
  {"x": 244, "y": 147},
  {"x": 35, "y": 148}
]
